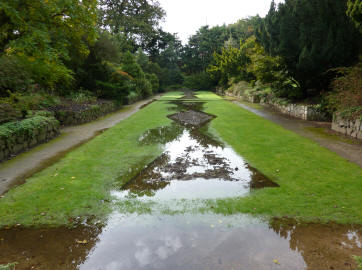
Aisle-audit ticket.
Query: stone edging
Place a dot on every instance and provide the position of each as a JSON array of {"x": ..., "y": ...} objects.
[
  {"x": 351, "y": 128},
  {"x": 91, "y": 113},
  {"x": 25, "y": 135},
  {"x": 305, "y": 112}
]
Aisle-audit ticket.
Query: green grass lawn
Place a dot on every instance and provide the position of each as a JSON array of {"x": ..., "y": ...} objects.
[
  {"x": 79, "y": 184},
  {"x": 315, "y": 183}
]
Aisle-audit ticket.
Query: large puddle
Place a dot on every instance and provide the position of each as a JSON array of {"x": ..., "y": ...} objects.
[
  {"x": 194, "y": 166},
  {"x": 189, "y": 241}
]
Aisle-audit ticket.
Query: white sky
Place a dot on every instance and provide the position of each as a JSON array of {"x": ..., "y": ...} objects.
[{"x": 185, "y": 17}]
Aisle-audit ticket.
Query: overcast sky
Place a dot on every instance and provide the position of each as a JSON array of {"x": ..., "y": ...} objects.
[{"x": 185, "y": 17}]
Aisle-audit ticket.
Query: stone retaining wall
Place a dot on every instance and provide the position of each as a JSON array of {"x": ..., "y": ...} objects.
[
  {"x": 306, "y": 112},
  {"x": 91, "y": 113},
  {"x": 351, "y": 128},
  {"x": 16, "y": 137}
]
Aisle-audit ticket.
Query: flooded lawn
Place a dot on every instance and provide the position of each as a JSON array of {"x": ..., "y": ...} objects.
[{"x": 194, "y": 167}]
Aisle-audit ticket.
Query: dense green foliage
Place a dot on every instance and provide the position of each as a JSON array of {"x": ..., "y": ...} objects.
[
  {"x": 40, "y": 36},
  {"x": 294, "y": 51},
  {"x": 137, "y": 20},
  {"x": 355, "y": 12},
  {"x": 346, "y": 97},
  {"x": 114, "y": 49},
  {"x": 27, "y": 127},
  {"x": 311, "y": 36},
  {"x": 197, "y": 55}
]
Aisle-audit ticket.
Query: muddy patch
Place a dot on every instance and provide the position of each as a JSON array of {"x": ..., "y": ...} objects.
[{"x": 192, "y": 118}]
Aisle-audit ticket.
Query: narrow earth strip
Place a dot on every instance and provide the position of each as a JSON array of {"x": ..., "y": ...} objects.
[
  {"x": 316, "y": 131},
  {"x": 14, "y": 172}
]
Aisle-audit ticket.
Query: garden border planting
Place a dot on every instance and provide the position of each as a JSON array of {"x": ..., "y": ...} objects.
[
  {"x": 69, "y": 117},
  {"x": 309, "y": 112}
]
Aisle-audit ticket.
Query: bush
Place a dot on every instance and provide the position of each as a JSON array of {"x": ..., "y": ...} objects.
[
  {"x": 199, "y": 81},
  {"x": 8, "y": 113},
  {"x": 143, "y": 87},
  {"x": 21, "y": 74},
  {"x": 346, "y": 97},
  {"x": 14, "y": 75},
  {"x": 82, "y": 96},
  {"x": 116, "y": 91},
  {"x": 133, "y": 97},
  {"x": 153, "y": 79},
  {"x": 24, "y": 102},
  {"x": 26, "y": 127},
  {"x": 285, "y": 86}
]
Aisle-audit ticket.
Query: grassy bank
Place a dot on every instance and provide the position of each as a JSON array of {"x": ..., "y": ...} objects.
[
  {"x": 79, "y": 184},
  {"x": 315, "y": 183}
]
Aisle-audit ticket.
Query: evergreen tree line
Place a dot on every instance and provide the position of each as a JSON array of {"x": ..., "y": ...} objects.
[{"x": 295, "y": 50}]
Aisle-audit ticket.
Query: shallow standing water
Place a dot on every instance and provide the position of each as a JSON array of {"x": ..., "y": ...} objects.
[{"x": 194, "y": 166}]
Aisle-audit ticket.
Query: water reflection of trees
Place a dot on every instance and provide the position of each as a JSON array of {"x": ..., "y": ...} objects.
[{"x": 323, "y": 246}]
